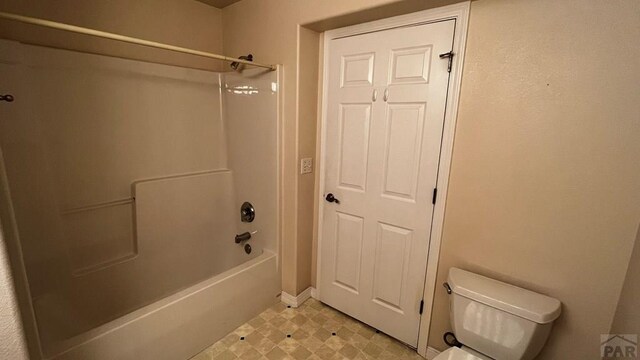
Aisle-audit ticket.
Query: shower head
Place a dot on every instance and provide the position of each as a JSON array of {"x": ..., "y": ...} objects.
[{"x": 236, "y": 65}]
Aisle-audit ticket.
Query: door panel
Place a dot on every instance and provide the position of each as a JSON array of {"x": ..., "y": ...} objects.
[
  {"x": 354, "y": 145},
  {"x": 391, "y": 265},
  {"x": 385, "y": 112},
  {"x": 349, "y": 233},
  {"x": 402, "y": 150},
  {"x": 410, "y": 65},
  {"x": 357, "y": 70}
]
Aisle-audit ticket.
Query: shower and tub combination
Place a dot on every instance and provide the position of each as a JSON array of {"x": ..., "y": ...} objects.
[{"x": 139, "y": 201}]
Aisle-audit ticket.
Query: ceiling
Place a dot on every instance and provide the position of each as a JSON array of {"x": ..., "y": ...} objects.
[{"x": 219, "y": 3}]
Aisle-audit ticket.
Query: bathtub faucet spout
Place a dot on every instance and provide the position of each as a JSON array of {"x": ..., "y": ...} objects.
[{"x": 244, "y": 236}]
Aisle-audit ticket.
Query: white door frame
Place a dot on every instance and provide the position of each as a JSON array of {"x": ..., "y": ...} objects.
[{"x": 459, "y": 12}]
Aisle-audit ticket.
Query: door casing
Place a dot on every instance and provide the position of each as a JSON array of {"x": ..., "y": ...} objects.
[{"x": 460, "y": 13}]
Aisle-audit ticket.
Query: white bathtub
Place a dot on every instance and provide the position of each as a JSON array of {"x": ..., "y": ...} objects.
[
  {"x": 128, "y": 251},
  {"x": 183, "y": 324}
]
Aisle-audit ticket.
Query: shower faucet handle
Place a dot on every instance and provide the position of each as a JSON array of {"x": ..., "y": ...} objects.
[{"x": 247, "y": 212}]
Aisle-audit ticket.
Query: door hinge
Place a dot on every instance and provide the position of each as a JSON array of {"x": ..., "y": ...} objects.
[
  {"x": 448, "y": 55},
  {"x": 421, "y": 306},
  {"x": 435, "y": 194}
]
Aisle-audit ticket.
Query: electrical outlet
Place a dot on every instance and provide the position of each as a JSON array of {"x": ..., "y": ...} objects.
[{"x": 306, "y": 166}]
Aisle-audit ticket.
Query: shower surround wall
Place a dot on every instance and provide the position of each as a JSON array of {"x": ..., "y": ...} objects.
[
  {"x": 250, "y": 117},
  {"x": 126, "y": 182}
]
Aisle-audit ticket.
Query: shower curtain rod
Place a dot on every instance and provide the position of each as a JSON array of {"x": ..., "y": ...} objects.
[{"x": 128, "y": 39}]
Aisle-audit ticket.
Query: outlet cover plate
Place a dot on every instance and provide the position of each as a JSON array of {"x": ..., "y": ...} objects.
[{"x": 306, "y": 166}]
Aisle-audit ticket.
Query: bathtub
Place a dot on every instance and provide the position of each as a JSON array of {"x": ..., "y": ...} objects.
[
  {"x": 183, "y": 324},
  {"x": 128, "y": 251}
]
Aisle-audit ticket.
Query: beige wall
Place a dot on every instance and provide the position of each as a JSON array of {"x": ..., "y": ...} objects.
[
  {"x": 308, "y": 56},
  {"x": 544, "y": 181},
  {"x": 627, "y": 317},
  {"x": 186, "y": 23}
]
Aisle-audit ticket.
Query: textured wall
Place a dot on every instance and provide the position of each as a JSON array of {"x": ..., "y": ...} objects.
[
  {"x": 12, "y": 344},
  {"x": 545, "y": 179}
]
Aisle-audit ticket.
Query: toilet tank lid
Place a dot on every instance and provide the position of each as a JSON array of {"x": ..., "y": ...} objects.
[{"x": 524, "y": 303}]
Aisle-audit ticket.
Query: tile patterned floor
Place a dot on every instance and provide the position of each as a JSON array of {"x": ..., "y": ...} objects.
[{"x": 312, "y": 331}]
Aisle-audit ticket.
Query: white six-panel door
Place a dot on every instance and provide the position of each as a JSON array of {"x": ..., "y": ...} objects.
[{"x": 385, "y": 112}]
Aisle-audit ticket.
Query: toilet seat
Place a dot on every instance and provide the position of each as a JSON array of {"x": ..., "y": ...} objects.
[{"x": 455, "y": 353}]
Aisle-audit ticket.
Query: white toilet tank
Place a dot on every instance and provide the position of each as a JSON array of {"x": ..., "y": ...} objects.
[{"x": 501, "y": 321}]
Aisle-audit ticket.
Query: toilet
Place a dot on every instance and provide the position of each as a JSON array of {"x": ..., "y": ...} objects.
[{"x": 496, "y": 320}]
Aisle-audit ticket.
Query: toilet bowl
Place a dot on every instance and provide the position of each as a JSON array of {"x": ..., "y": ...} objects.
[
  {"x": 455, "y": 353},
  {"x": 495, "y": 320}
]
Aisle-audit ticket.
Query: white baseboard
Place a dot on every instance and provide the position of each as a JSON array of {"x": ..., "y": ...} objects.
[
  {"x": 432, "y": 353},
  {"x": 295, "y": 301},
  {"x": 314, "y": 293}
]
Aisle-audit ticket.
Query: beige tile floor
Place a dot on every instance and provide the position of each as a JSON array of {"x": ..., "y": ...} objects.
[{"x": 311, "y": 331}]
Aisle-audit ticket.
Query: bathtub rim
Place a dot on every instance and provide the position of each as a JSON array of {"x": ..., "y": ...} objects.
[{"x": 68, "y": 346}]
